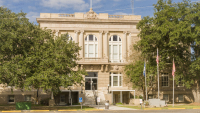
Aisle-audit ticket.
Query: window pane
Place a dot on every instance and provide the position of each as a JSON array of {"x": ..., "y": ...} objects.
[
  {"x": 120, "y": 39},
  {"x": 96, "y": 48},
  {"x": 92, "y": 74},
  {"x": 115, "y": 52},
  {"x": 27, "y": 97},
  {"x": 88, "y": 84},
  {"x": 94, "y": 84},
  {"x": 11, "y": 98},
  {"x": 91, "y": 50},
  {"x": 180, "y": 98},
  {"x": 110, "y": 39},
  {"x": 115, "y": 80},
  {"x": 115, "y": 38},
  {"x": 86, "y": 50},
  {"x": 90, "y": 37},
  {"x": 110, "y": 79},
  {"x": 120, "y": 80},
  {"x": 95, "y": 38},
  {"x": 86, "y": 39},
  {"x": 165, "y": 97}
]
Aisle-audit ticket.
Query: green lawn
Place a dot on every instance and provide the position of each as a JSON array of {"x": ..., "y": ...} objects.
[{"x": 169, "y": 106}]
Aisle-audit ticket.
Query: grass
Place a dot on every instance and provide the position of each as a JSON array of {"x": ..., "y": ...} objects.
[
  {"x": 12, "y": 107},
  {"x": 169, "y": 106}
]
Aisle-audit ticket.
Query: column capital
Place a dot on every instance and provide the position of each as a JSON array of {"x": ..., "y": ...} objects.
[
  {"x": 82, "y": 31},
  {"x": 55, "y": 30},
  {"x": 76, "y": 31},
  {"x": 125, "y": 32},
  {"x": 101, "y": 32},
  {"x": 106, "y": 32}
]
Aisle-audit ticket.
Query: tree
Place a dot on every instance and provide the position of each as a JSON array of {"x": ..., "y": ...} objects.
[
  {"x": 172, "y": 29},
  {"x": 31, "y": 57}
]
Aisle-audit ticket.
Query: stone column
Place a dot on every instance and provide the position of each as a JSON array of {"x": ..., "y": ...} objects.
[
  {"x": 129, "y": 44},
  {"x": 100, "y": 44},
  {"x": 124, "y": 47},
  {"x": 105, "y": 45},
  {"x": 81, "y": 44},
  {"x": 76, "y": 36},
  {"x": 121, "y": 97}
]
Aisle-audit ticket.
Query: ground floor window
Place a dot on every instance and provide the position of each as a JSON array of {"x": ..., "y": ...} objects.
[
  {"x": 166, "y": 97},
  {"x": 27, "y": 97},
  {"x": 150, "y": 96},
  {"x": 180, "y": 98},
  {"x": 115, "y": 79},
  {"x": 11, "y": 98},
  {"x": 91, "y": 81}
]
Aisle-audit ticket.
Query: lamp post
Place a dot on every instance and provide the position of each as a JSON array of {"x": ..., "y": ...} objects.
[{"x": 108, "y": 88}]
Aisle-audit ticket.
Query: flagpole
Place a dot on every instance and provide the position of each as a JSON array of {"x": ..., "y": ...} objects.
[
  {"x": 158, "y": 73},
  {"x": 145, "y": 79},
  {"x": 173, "y": 82}
]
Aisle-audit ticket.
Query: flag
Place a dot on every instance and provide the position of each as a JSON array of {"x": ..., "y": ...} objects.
[
  {"x": 157, "y": 58},
  {"x": 173, "y": 69},
  {"x": 144, "y": 70}
]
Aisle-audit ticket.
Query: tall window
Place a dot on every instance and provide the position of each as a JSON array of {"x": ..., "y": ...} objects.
[
  {"x": 166, "y": 97},
  {"x": 91, "y": 47},
  {"x": 165, "y": 79},
  {"x": 180, "y": 98},
  {"x": 115, "y": 79},
  {"x": 115, "y": 49},
  {"x": 27, "y": 97},
  {"x": 180, "y": 82},
  {"x": 91, "y": 81}
]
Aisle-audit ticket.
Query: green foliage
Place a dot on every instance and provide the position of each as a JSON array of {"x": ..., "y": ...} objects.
[
  {"x": 31, "y": 57},
  {"x": 172, "y": 29},
  {"x": 119, "y": 103},
  {"x": 23, "y": 105}
]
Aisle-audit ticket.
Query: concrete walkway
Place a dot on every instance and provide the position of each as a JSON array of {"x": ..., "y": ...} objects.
[{"x": 112, "y": 107}]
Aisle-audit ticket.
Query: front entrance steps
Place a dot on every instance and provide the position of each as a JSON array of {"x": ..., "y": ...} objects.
[{"x": 90, "y": 97}]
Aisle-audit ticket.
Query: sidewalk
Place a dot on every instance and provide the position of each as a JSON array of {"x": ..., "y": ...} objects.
[{"x": 112, "y": 107}]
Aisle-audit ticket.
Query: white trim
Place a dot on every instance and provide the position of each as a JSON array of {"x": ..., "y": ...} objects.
[
  {"x": 94, "y": 43},
  {"x": 118, "y": 44},
  {"x": 118, "y": 80}
]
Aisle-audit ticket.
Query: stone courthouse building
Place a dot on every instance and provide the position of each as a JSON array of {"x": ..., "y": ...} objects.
[{"x": 106, "y": 42}]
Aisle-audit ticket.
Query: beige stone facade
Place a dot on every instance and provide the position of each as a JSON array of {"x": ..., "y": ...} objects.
[
  {"x": 105, "y": 54},
  {"x": 106, "y": 42}
]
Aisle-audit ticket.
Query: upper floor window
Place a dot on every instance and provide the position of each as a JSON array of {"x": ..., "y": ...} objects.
[
  {"x": 91, "y": 46},
  {"x": 115, "y": 49},
  {"x": 165, "y": 79}
]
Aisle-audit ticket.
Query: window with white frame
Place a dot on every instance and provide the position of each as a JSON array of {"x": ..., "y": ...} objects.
[
  {"x": 166, "y": 97},
  {"x": 115, "y": 79},
  {"x": 11, "y": 98},
  {"x": 91, "y": 46},
  {"x": 115, "y": 49},
  {"x": 180, "y": 98},
  {"x": 165, "y": 79},
  {"x": 27, "y": 97}
]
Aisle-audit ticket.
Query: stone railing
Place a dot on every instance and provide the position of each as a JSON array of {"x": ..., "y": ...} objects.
[
  {"x": 115, "y": 16},
  {"x": 66, "y": 15}
]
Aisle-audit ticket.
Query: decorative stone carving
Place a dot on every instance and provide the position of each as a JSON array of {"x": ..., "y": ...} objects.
[
  {"x": 116, "y": 67},
  {"x": 106, "y": 68},
  {"x": 91, "y": 14},
  {"x": 91, "y": 67},
  {"x": 102, "y": 67}
]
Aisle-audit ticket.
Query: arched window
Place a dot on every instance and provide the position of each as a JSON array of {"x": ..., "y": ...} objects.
[
  {"x": 91, "y": 46},
  {"x": 115, "y": 49}
]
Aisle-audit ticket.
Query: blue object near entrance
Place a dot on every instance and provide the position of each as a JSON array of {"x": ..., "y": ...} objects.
[{"x": 80, "y": 99}]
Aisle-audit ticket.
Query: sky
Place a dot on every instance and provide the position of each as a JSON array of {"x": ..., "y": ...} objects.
[{"x": 33, "y": 8}]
